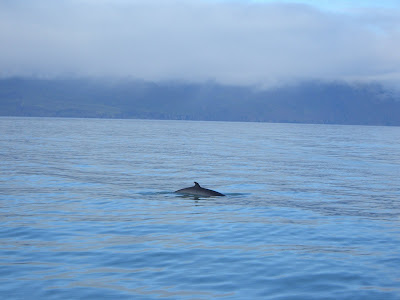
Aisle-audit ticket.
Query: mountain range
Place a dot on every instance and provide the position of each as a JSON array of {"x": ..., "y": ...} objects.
[{"x": 305, "y": 102}]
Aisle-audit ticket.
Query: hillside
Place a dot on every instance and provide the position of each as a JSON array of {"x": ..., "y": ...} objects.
[{"x": 309, "y": 102}]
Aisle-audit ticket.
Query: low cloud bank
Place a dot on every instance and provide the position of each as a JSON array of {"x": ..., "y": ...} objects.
[{"x": 241, "y": 43}]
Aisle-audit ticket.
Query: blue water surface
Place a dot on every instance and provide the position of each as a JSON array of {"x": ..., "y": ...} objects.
[{"x": 87, "y": 210}]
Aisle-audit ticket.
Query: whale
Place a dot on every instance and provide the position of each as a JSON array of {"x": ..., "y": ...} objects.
[{"x": 197, "y": 190}]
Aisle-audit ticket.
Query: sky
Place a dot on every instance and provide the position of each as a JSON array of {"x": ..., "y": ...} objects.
[
  {"x": 342, "y": 5},
  {"x": 234, "y": 42}
]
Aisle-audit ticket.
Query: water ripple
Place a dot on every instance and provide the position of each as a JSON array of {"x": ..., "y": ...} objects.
[{"x": 87, "y": 210}]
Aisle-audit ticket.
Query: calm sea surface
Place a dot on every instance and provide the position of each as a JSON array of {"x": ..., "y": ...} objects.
[{"x": 87, "y": 210}]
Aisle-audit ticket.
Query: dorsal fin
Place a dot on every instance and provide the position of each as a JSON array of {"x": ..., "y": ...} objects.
[{"x": 196, "y": 184}]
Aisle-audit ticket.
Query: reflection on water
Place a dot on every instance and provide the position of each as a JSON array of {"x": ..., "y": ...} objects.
[{"x": 87, "y": 210}]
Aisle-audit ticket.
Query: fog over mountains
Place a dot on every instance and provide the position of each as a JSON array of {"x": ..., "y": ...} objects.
[
  {"x": 306, "y": 102},
  {"x": 316, "y": 61}
]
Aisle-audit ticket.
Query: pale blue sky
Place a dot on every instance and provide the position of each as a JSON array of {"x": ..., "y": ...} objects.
[{"x": 341, "y": 4}]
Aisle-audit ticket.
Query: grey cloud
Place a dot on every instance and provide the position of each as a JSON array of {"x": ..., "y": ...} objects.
[{"x": 230, "y": 42}]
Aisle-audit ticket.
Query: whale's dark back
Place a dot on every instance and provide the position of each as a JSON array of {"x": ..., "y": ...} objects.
[{"x": 197, "y": 190}]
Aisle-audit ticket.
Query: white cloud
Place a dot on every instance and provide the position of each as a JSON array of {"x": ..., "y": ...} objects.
[{"x": 230, "y": 42}]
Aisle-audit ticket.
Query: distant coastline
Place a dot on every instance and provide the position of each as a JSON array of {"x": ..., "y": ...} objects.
[{"x": 308, "y": 102}]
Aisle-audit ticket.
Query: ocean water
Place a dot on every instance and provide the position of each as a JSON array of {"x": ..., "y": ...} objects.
[{"x": 87, "y": 210}]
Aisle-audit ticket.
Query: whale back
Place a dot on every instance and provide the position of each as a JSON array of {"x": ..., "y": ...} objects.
[{"x": 197, "y": 190}]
